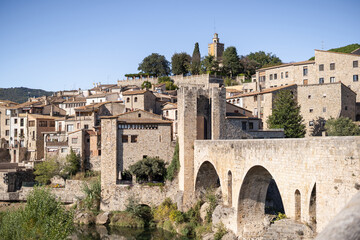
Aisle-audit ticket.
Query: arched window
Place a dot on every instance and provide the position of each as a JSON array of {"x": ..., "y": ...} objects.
[{"x": 135, "y": 99}]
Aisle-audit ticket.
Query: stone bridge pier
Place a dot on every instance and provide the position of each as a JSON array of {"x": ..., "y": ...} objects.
[{"x": 312, "y": 179}]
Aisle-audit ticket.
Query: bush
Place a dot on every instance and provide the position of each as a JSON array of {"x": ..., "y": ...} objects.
[
  {"x": 72, "y": 165},
  {"x": 126, "y": 219},
  {"x": 44, "y": 171},
  {"x": 146, "y": 84},
  {"x": 341, "y": 127},
  {"x": 211, "y": 199},
  {"x": 149, "y": 169},
  {"x": 42, "y": 218},
  {"x": 221, "y": 231},
  {"x": 174, "y": 166},
  {"x": 92, "y": 192}
]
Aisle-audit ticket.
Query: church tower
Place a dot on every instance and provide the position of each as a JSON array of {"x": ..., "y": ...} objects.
[{"x": 216, "y": 48}]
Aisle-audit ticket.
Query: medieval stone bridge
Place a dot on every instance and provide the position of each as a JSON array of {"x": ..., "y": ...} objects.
[{"x": 315, "y": 177}]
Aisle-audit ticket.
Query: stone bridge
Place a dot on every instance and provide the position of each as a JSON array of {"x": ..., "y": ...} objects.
[{"x": 315, "y": 177}]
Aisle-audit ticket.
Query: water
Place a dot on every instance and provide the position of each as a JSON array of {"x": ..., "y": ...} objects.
[{"x": 102, "y": 232}]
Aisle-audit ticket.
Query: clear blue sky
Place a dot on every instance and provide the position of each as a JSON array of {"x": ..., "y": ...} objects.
[{"x": 68, "y": 44}]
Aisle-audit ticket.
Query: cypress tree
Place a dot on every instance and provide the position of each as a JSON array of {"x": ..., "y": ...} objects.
[{"x": 196, "y": 60}]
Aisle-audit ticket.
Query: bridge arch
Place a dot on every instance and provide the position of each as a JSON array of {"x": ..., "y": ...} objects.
[
  {"x": 297, "y": 205},
  {"x": 253, "y": 198},
  {"x": 229, "y": 187},
  {"x": 207, "y": 177}
]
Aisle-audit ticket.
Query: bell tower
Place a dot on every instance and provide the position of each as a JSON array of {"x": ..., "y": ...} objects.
[{"x": 216, "y": 48}]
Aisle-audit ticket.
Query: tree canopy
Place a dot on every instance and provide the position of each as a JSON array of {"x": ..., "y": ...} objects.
[
  {"x": 195, "y": 60},
  {"x": 149, "y": 169},
  {"x": 209, "y": 64},
  {"x": 180, "y": 63},
  {"x": 264, "y": 59},
  {"x": 155, "y": 64},
  {"x": 286, "y": 115},
  {"x": 341, "y": 127},
  {"x": 231, "y": 61},
  {"x": 146, "y": 85}
]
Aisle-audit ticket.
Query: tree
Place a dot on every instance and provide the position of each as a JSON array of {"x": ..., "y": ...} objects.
[
  {"x": 45, "y": 170},
  {"x": 155, "y": 64},
  {"x": 72, "y": 165},
  {"x": 286, "y": 115},
  {"x": 229, "y": 82},
  {"x": 264, "y": 59},
  {"x": 180, "y": 63},
  {"x": 248, "y": 66},
  {"x": 341, "y": 127},
  {"x": 231, "y": 61},
  {"x": 149, "y": 169},
  {"x": 195, "y": 61},
  {"x": 209, "y": 64},
  {"x": 169, "y": 83},
  {"x": 146, "y": 84}
]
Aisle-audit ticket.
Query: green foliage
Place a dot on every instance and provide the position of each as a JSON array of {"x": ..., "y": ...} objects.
[
  {"x": 42, "y": 218},
  {"x": 146, "y": 84},
  {"x": 341, "y": 127},
  {"x": 231, "y": 62},
  {"x": 211, "y": 199},
  {"x": 180, "y": 63},
  {"x": 209, "y": 64},
  {"x": 155, "y": 64},
  {"x": 21, "y": 94},
  {"x": 162, "y": 212},
  {"x": 228, "y": 81},
  {"x": 169, "y": 83},
  {"x": 264, "y": 59},
  {"x": 137, "y": 75},
  {"x": 346, "y": 49},
  {"x": 72, "y": 165},
  {"x": 174, "y": 166},
  {"x": 195, "y": 61},
  {"x": 149, "y": 169},
  {"x": 92, "y": 192},
  {"x": 279, "y": 216},
  {"x": 221, "y": 231},
  {"x": 286, "y": 115},
  {"x": 248, "y": 66},
  {"x": 45, "y": 170},
  {"x": 126, "y": 219}
]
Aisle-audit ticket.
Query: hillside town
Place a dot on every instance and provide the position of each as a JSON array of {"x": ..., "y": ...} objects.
[{"x": 111, "y": 127}]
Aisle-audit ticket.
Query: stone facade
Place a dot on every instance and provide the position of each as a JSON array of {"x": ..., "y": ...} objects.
[
  {"x": 140, "y": 99},
  {"x": 325, "y": 172},
  {"x": 216, "y": 48}
]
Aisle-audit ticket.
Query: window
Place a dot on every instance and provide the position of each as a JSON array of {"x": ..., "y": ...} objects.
[
  {"x": 243, "y": 126},
  {"x": 311, "y": 123},
  {"x": 128, "y": 100},
  {"x": 64, "y": 150},
  {"x": 321, "y": 80},
  {"x": 282, "y": 75},
  {"x": 135, "y": 99},
  {"x": 15, "y": 120},
  {"x": 74, "y": 140},
  {"x": 134, "y": 138},
  {"x": 309, "y": 96},
  {"x": 86, "y": 126},
  {"x": 78, "y": 125},
  {"x": 321, "y": 67},
  {"x": 42, "y": 123},
  {"x": 345, "y": 107},
  {"x": 305, "y": 71},
  {"x": 139, "y": 115},
  {"x": 15, "y": 132},
  {"x": 124, "y": 138},
  {"x": 7, "y": 122},
  {"x": 271, "y": 77},
  {"x": 311, "y": 110},
  {"x": 286, "y": 74},
  {"x": 21, "y": 122},
  {"x": 332, "y": 66},
  {"x": 52, "y": 123},
  {"x": 355, "y": 64},
  {"x": 7, "y": 132},
  {"x": 166, "y": 113},
  {"x": 99, "y": 152},
  {"x": 332, "y": 79},
  {"x": 33, "y": 135},
  {"x": 8, "y": 112},
  {"x": 324, "y": 109},
  {"x": 251, "y": 125},
  {"x": 69, "y": 127},
  {"x": 305, "y": 82},
  {"x": 275, "y": 76},
  {"x": 355, "y": 78},
  {"x": 22, "y": 132}
]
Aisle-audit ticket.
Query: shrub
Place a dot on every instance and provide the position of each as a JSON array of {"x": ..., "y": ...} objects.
[
  {"x": 149, "y": 169},
  {"x": 44, "y": 171},
  {"x": 174, "y": 166},
  {"x": 341, "y": 127},
  {"x": 126, "y": 219},
  {"x": 72, "y": 165},
  {"x": 221, "y": 231},
  {"x": 92, "y": 192},
  {"x": 162, "y": 212},
  {"x": 211, "y": 199},
  {"x": 42, "y": 218},
  {"x": 146, "y": 84}
]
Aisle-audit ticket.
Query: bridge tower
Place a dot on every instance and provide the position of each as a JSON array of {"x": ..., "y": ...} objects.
[{"x": 201, "y": 114}]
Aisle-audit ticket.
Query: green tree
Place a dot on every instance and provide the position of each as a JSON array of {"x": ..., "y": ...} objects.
[
  {"x": 45, "y": 170},
  {"x": 42, "y": 218},
  {"x": 180, "y": 63},
  {"x": 248, "y": 66},
  {"x": 286, "y": 115},
  {"x": 92, "y": 192},
  {"x": 174, "y": 166},
  {"x": 155, "y": 64},
  {"x": 231, "y": 62},
  {"x": 149, "y": 169},
  {"x": 341, "y": 127},
  {"x": 196, "y": 61},
  {"x": 169, "y": 83},
  {"x": 209, "y": 64},
  {"x": 146, "y": 84},
  {"x": 229, "y": 82},
  {"x": 264, "y": 59},
  {"x": 73, "y": 164}
]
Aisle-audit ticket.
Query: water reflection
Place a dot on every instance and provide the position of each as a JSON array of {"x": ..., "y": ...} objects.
[{"x": 103, "y": 232}]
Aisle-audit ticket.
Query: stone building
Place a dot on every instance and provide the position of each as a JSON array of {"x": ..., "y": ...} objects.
[
  {"x": 140, "y": 99},
  {"x": 216, "y": 48},
  {"x": 169, "y": 111}
]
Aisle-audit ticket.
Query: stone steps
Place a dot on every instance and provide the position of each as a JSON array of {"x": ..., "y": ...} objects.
[{"x": 287, "y": 229}]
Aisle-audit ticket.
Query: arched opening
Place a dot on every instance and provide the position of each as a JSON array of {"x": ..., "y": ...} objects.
[
  {"x": 207, "y": 177},
  {"x": 229, "y": 188},
  {"x": 312, "y": 209},
  {"x": 258, "y": 194},
  {"x": 297, "y": 205}
]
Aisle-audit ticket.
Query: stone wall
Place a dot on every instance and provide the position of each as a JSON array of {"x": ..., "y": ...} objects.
[
  {"x": 332, "y": 164},
  {"x": 4, "y": 155},
  {"x": 95, "y": 163}
]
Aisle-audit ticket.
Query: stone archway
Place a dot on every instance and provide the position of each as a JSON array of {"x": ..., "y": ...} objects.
[
  {"x": 312, "y": 209},
  {"x": 207, "y": 177},
  {"x": 253, "y": 197}
]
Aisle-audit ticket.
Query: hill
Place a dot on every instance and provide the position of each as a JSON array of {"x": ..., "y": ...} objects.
[
  {"x": 21, "y": 94},
  {"x": 346, "y": 49}
]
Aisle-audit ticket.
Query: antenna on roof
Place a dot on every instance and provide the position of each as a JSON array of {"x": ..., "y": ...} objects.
[
  {"x": 214, "y": 25},
  {"x": 322, "y": 45}
]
